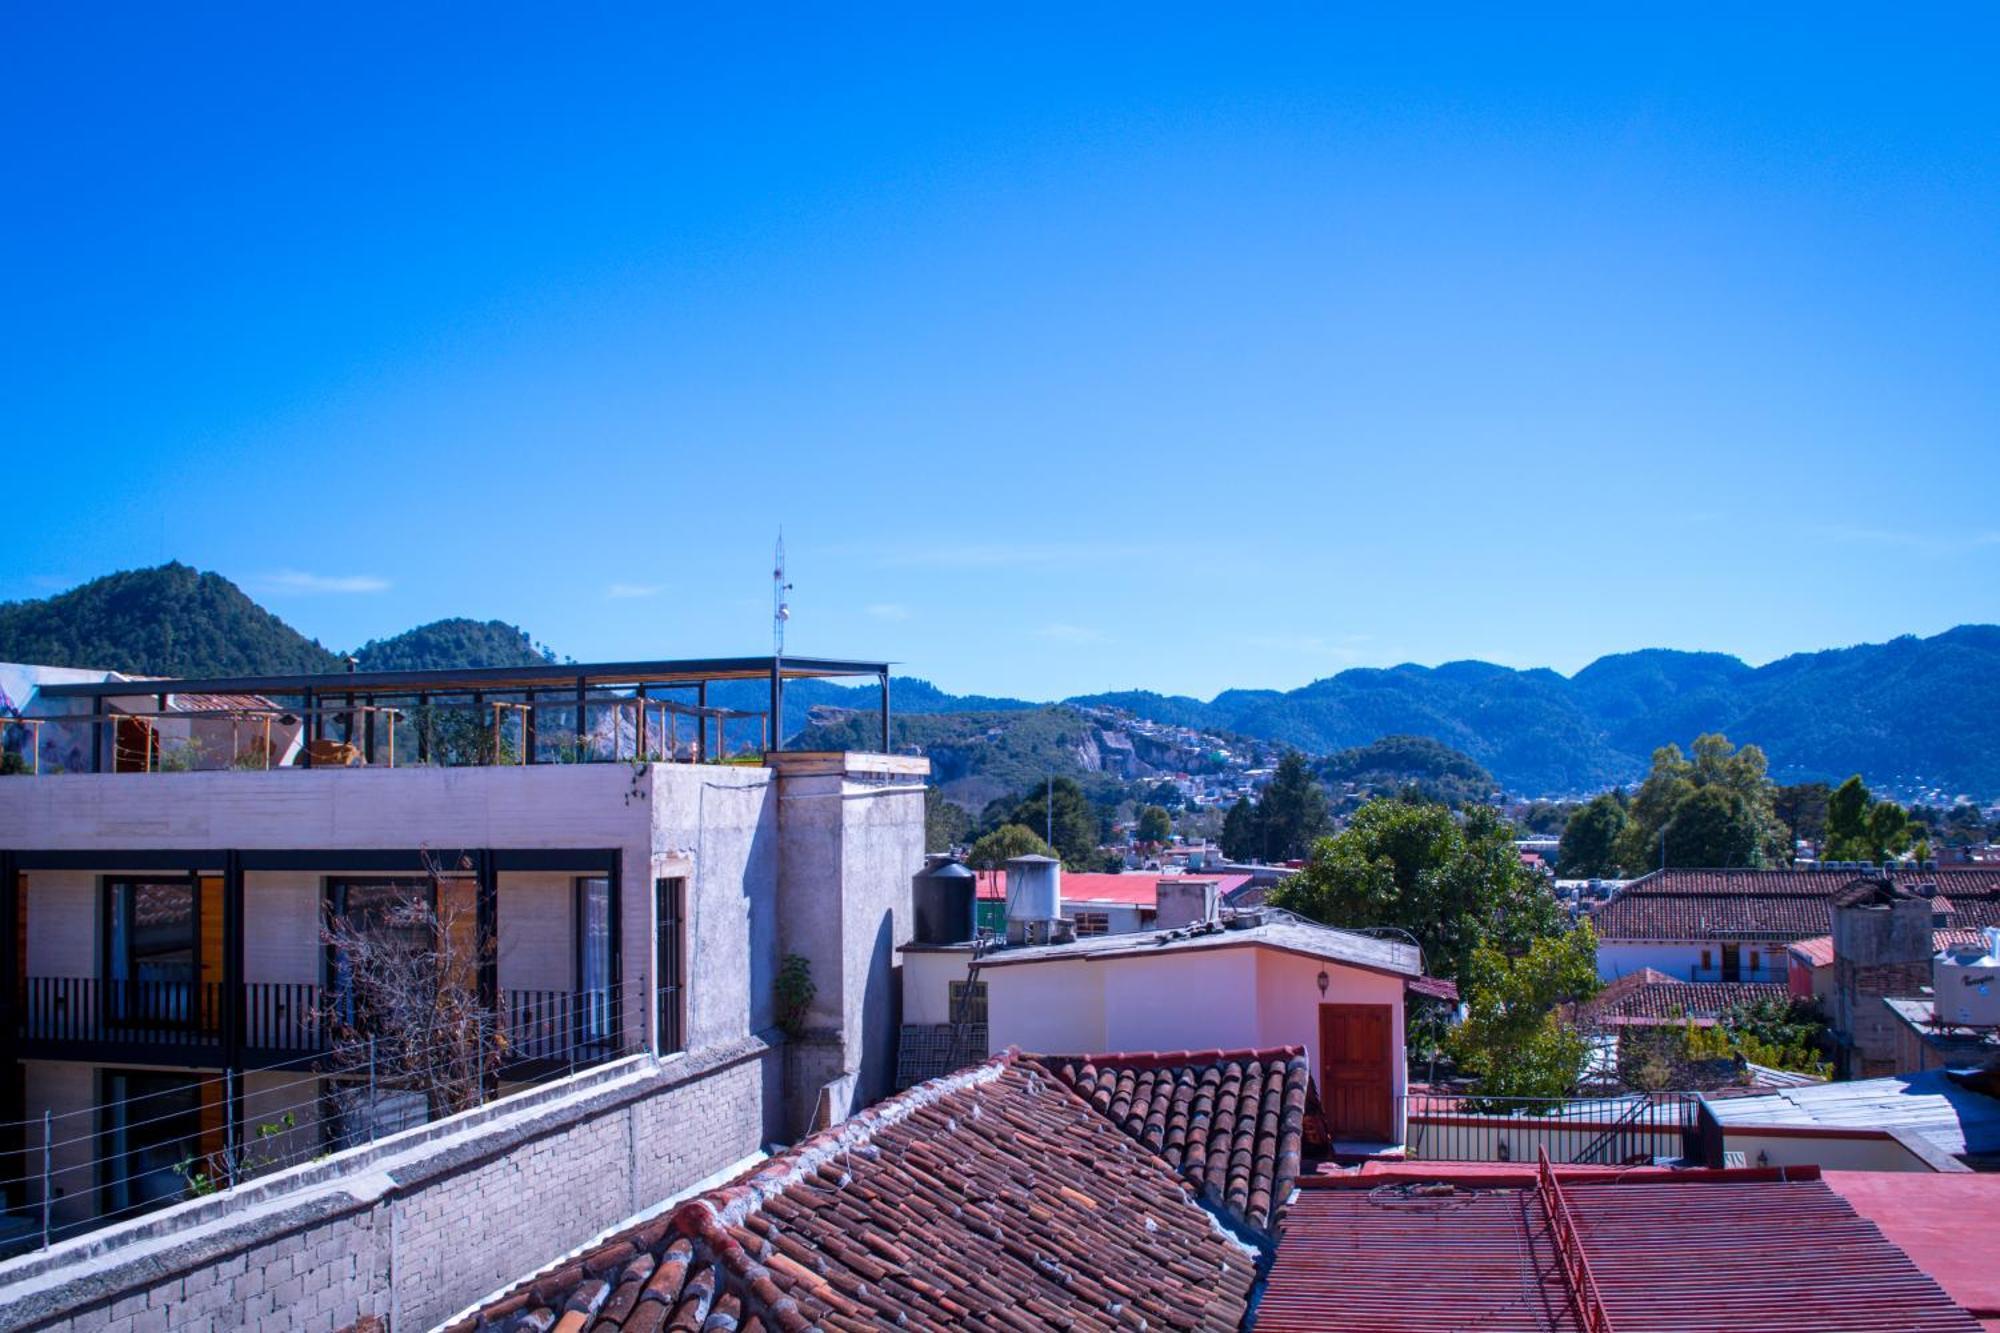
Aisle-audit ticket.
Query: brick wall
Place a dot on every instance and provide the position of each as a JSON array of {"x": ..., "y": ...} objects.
[{"x": 419, "y": 1225}]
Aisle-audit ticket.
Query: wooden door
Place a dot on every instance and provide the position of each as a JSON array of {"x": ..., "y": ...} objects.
[
  {"x": 1732, "y": 962},
  {"x": 208, "y": 954},
  {"x": 1356, "y": 1071}
]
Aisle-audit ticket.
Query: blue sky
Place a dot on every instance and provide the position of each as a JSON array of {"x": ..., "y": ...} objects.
[{"x": 1151, "y": 348}]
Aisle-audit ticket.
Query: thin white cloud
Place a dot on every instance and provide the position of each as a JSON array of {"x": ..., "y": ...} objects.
[
  {"x": 887, "y": 611},
  {"x": 1014, "y": 555},
  {"x": 1062, "y": 633},
  {"x": 301, "y": 583},
  {"x": 1344, "y": 648},
  {"x": 623, "y": 590},
  {"x": 1923, "y": 541}
]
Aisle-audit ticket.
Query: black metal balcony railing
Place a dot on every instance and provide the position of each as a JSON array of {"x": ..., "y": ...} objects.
[
  {"x": 1765, "y": 972},
  {"x": 167, "y": 1013},
  {"x": 572, "y": 1026},
  {"x": 1600, "y": 1131},
  {"x": 579, "y": 1026}
]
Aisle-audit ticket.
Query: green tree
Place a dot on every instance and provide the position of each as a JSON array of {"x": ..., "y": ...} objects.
[
  {"x": 1861, "y": 828},
  {"x": 946, "y": 823},
  {"x": 1590, "y": 840},
  {"x": 1514, "y": 1039},
  {"x": 1166, "y": 795},
  {"x": 1061, "y": 805},
  {"x": 1003, "y": 844},
  {"x": 1801, "y": 808},
  {"x": 1675, "y": 778},
  {"x": 1155, "y": 824},
  {"x": 1712, "y": 826},
  {"x": 1454, "y": 884},
  {"x": 1239, "y": 831},
  {"x": 1292, "y": 814}
]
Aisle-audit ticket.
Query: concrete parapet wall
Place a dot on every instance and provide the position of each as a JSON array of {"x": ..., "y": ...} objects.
[{"x": 422, "y": 1223}]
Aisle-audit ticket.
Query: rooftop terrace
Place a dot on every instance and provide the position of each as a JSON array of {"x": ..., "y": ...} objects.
[{"x": 666, "y": 710}]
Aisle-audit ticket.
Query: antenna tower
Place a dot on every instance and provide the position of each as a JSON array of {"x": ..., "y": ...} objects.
[{"x": 781, "y": 610}]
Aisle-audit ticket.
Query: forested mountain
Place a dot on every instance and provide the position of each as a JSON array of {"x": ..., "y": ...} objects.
[
  {"x": 166, "y": 621},
  {"x": 1900, "y": 712},
  {"x": 1397, "y": 763},
  {"x": 978, "y": 756},
  {"x": 443, "y": 644}
]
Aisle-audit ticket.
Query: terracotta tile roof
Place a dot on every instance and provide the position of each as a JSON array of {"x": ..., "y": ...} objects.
[
  {"x": 1707, "y": 1250},
  {"x": 1647, "y": 996},
  {"x": 1231, "y": 1122},
  {"x": 1776, "y": 905},
  {"x": 996, "y": 1198},
  {"x": 1818, "y": 951}
]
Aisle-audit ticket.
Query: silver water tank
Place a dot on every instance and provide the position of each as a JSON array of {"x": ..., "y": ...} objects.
[{"x": 1034, "y": 894}]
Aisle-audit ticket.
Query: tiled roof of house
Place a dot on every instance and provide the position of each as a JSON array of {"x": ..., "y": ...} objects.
[
  {"x": 1818, "y": 951},
  {"x": 1647, "y": 996},
  {"x": 1232, "y": 1122},
  {"x": 996, "y": 1198},
  {"x": 1776, "y": 905}
]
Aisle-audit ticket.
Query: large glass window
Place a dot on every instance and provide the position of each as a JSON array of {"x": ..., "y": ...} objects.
[
  {"x": 151, "y": 933},
  {"x": 151, "y": 1123},
  {"x": 596, "y": 1003}
]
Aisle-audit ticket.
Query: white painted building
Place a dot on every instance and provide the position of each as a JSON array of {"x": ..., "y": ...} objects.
[{"x": 1338, "y": 994}]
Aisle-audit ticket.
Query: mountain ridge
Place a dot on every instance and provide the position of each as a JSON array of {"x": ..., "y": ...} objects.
[{"x": 1912, "y": 708}]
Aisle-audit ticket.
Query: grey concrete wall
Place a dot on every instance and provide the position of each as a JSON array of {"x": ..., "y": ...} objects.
[
  {"x": 419, "y": 1225},
  {"x": 850, "y": 836},
  {"x": 717, "y": 826}
]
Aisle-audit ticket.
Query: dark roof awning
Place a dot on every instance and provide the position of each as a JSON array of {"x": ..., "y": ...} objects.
[{"x": 490, "y": 679}]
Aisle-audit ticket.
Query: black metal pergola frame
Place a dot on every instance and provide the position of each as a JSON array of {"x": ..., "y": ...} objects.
[{"x": 581, "y": 677}]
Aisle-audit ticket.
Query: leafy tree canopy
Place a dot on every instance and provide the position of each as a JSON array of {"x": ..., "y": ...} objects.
[
  {"x": 946, "y": 824},
  {"x": 1736, "y": 820},
  {"x": 1003, "y": 844},
  {"x": 1289, "y": 816},
  {"x": 1060, "y": 804},
  {"x": 1453, "y": 882},
  {"x": 1589, "y": 847},
  {"x": 1861, "y": 828},
  {"x": 1514, "y": 1039},
  {"x": 1155, "y": 824}
]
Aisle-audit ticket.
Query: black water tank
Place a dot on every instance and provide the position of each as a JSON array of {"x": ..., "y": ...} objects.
[{"x": 945, "y": 897}]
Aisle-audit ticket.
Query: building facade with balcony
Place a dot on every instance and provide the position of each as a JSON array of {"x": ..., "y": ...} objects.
[{"x": 187, "y": 991}]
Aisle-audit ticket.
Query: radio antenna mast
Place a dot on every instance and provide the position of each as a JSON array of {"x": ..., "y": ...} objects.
[{"x": 781, "y": 610}]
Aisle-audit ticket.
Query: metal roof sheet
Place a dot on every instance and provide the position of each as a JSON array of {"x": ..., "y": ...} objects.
[
  {"x": 1715, "y": 1253},
  {"x": 1953, "y": 1117}
]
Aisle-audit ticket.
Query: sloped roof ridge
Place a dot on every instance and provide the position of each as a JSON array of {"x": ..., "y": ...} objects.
[
  {"x": 1174, "y": 1059},
  {"x": 740, "y": 1200}
]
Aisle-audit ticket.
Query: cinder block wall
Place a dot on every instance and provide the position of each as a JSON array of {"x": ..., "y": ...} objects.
[{"x": 421, "y": 1225}]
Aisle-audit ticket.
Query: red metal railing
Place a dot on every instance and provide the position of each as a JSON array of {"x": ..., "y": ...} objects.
[{"x": 1590, "y": 1311}]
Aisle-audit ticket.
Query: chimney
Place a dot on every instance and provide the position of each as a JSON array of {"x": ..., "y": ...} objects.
[{"x": 1881, "y": 950}]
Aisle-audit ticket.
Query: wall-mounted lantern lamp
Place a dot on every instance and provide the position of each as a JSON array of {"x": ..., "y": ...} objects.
[{"x": 1324, "y": 982}]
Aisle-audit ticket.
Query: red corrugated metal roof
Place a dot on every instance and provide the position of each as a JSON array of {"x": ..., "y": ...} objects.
[
  {"x": 1728, "y": 1251},
  {"x": 1137, "y": 889}
]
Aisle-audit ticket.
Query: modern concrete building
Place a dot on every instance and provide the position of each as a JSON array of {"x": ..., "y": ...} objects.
[{"x": 613, "y": 881}]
